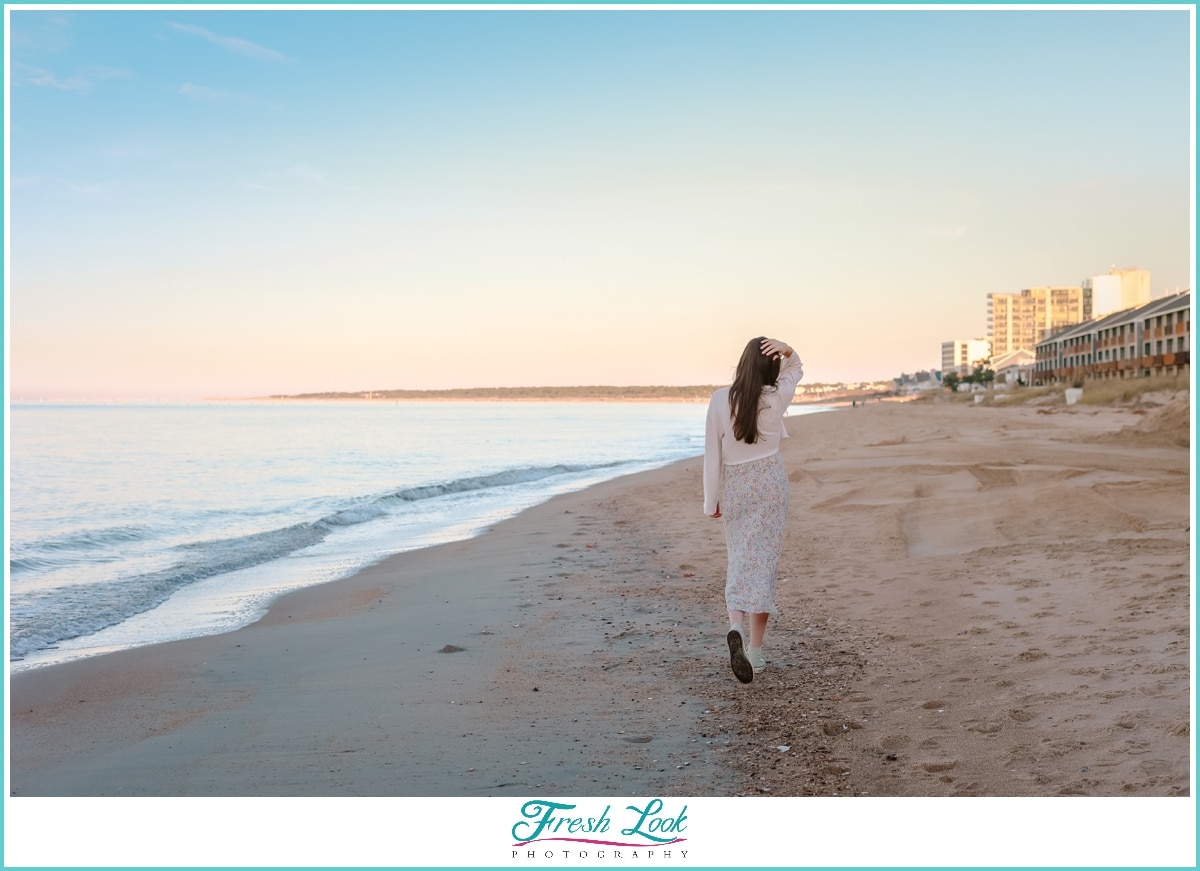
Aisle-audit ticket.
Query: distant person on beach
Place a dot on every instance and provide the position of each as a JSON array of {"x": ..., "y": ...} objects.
[{"x": 746, "y": 484}]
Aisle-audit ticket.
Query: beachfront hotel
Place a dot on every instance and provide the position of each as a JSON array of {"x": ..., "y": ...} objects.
[
  {"x": 961, "y": 356},
  {"x": 1018, "y": 321},
  {"x": 1152, "y": 339}
]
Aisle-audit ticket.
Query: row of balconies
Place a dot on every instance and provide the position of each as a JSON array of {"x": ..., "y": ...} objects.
[
  {"x": 1086, "y": 347},
  {"x": 1153, "y": 361},
  {"x": 1126, "y": 338},
  {"x": 1162, "y": 332}
]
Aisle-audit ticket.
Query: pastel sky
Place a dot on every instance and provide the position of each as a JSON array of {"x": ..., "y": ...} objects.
[{"x": 240, "y": 202}]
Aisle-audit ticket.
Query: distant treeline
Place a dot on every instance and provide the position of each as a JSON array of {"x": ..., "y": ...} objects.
[
  {"x": 813, "y": 394},
  {"x": 660, "y": 393}
]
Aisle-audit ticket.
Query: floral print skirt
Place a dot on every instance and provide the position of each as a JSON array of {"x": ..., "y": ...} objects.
[{"x": 754, "y": 504}]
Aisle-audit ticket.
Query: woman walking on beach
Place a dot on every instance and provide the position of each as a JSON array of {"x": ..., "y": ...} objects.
[{"x": 746, "y": 484}]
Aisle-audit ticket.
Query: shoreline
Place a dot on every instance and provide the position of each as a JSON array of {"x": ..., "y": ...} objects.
[
  {"x": 901, "y": 664},
  {"x": 330, "y": 490},
  {"x": 29, "y": 661},
  {"x": 486, "y": 622}
]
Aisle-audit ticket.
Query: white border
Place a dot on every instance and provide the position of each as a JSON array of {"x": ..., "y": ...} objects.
[{"x": 883, "y": 832}]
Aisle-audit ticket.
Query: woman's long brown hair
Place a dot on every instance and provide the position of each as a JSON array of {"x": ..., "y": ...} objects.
[{"x": 755, "y": 370}]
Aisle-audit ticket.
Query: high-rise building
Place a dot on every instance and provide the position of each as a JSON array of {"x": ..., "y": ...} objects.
[
  {"x": 1018, "y": 321},
  {"x": 1135, "y": 286},
  {"x": 1119, "y": 290},
  {"x": 961, "y": 356},
  {"x": 1106, "y": 294}
]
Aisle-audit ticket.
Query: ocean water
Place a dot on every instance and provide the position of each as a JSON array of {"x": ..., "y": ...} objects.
[{"x": 135, "y": 524}]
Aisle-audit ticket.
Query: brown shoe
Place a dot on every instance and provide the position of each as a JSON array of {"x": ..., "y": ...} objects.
[{"x": 742, "y": 669}]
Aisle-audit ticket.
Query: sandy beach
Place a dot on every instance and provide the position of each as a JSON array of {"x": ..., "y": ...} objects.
[{"x": 979, "y": 601}]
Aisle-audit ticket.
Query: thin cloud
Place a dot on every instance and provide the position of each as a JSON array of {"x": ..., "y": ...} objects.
[
  {"x": 232, "y": 43},
  {"x": 81, "y": 82},
  {"x": 42, "y": 34},
  {"x": 46, "y": 79},
  {"x": 105, "y": 72}
]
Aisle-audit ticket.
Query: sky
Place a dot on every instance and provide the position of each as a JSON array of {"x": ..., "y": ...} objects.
[{"x": 243, "y": 203}]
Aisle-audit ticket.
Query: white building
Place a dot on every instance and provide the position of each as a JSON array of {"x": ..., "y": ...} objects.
[
  {"x": 1121, "y": 289},
  {"x": 1135, "y": 286},
  {"x": 1106, "y": 294},
  {"x": 961, "y": 356}
]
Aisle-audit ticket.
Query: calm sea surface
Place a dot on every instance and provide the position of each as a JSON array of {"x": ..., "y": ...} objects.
[{"x": 130, "y": 525}]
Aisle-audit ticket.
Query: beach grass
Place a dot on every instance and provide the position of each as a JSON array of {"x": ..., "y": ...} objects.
[
  {"x": 1156, "y": 390},
  {"x": 1131, "y": 391}
]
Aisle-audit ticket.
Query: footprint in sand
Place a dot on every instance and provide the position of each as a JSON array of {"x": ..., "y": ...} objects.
[
  {"x": 988, "y": 728},
  {"x": 1156, "y": 767}
]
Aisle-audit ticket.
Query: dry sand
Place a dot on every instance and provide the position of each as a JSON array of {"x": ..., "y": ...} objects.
[{"x": 979, "y": 601}]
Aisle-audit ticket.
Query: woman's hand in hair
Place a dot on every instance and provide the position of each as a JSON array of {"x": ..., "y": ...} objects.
[{"x": 775, "y": 348}]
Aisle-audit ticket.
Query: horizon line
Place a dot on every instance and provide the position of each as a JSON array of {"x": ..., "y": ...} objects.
[{"x": 599, "y": 391}]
